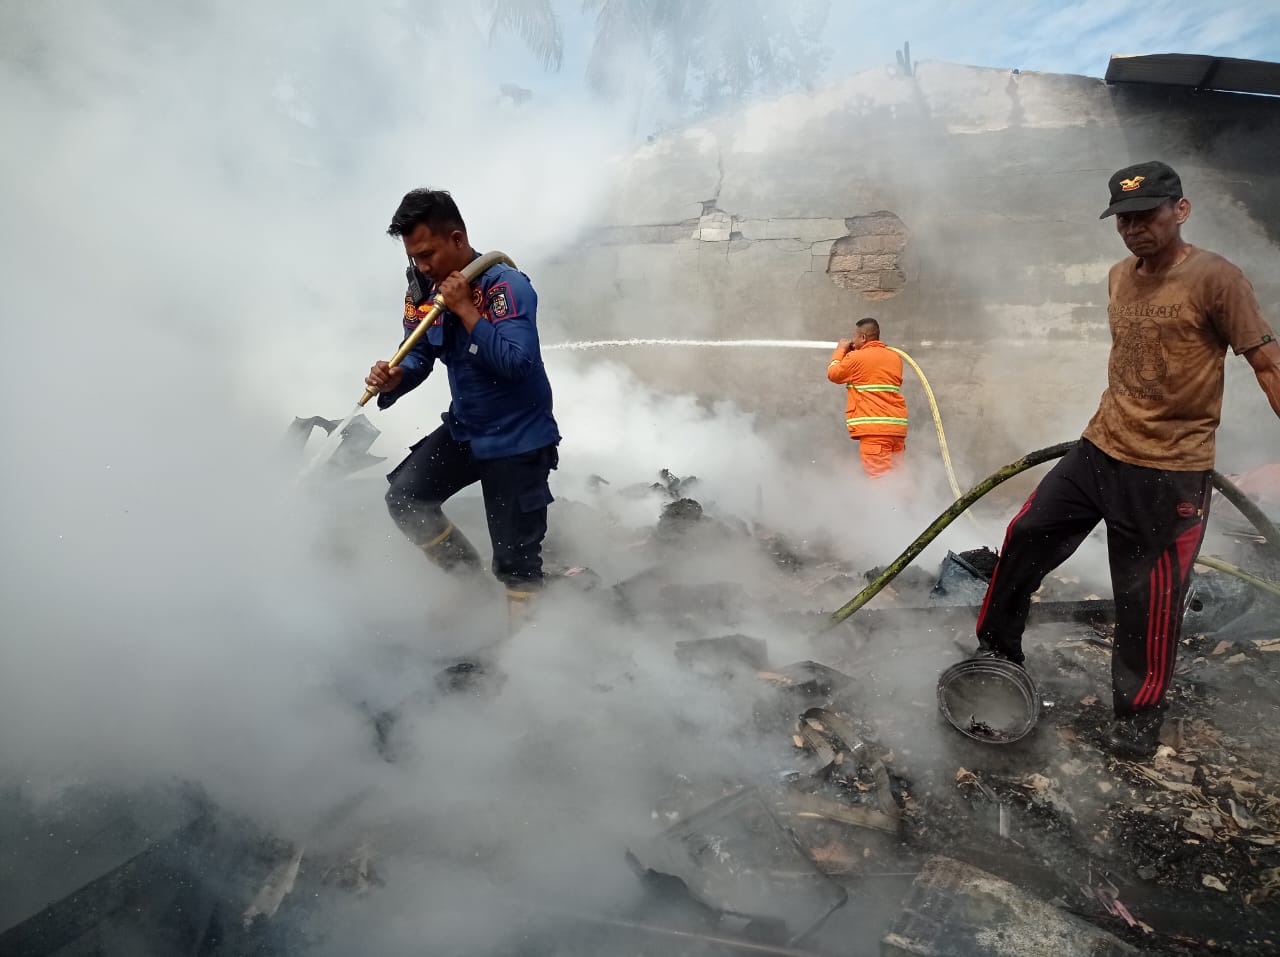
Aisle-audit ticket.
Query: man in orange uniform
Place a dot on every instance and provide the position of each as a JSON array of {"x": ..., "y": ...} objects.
[{"x": 876, "y": 412}]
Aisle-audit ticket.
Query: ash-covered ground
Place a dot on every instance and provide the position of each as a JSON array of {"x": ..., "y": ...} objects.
[{"x": 678, "y": 758}]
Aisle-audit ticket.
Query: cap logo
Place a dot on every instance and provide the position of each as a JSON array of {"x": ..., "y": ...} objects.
[{"x": 1129, "y": 185}]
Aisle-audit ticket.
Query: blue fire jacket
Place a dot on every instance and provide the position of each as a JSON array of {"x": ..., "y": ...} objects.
[{"x": 501, "y": 398}]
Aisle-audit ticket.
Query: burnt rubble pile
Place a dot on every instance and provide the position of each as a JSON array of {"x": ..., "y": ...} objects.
[
  {"x": 866, "y": 825},
  {"x": 1179, "y": 856},
  {"x": 1176, "y": 857}
]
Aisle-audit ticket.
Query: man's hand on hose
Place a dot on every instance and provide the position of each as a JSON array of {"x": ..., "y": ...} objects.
[
  {"x": 456, "y": 292},
  {"x": 383, "y": 376}
]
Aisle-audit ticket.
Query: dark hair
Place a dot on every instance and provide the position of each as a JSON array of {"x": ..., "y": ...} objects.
[
  {"x": 870, "y": 325},
  {"x": 433, "y": 208}
]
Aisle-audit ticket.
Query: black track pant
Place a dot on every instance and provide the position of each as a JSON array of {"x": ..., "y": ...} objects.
[
  {"x": 1155, "y": 523},
  {"x": 516, "y": 496}
]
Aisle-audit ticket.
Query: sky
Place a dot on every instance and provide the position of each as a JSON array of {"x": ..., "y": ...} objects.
[{"x": 1054, "y": 37}]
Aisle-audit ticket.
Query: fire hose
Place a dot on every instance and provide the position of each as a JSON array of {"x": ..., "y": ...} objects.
[
  {"x": 937, "y": 421},
  {"x": 1229, "y": 491},
  {"x": 470, "y": 272}
]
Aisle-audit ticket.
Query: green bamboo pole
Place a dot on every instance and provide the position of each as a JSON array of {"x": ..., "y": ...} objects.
[
  {"x": 954, "y": 511},
  {"x": 1265, "y": 585},
  {"x": 1233, "y": 494}
]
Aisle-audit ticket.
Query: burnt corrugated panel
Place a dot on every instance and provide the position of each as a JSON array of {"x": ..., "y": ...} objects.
[{"x": 1198, "y": 71}]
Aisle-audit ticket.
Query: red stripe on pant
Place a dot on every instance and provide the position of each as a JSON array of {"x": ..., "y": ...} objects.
[
  {"x": 1158, "y": 651},
  {"x": 1157, "y": 635},
  {"x": 1186, "y": 545},
  {"x": 1152, "y": 617},
  {"x": 1162, "y": 626}
]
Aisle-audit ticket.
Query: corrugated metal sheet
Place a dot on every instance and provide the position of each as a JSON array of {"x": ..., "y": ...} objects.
[{"x": 1198, "y": 71}]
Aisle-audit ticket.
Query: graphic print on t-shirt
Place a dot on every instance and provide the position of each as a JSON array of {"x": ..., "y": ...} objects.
[
  {"x": 1140, "y": 367},
  {"x": 1169, "y": 336},
  {"x": 1139, "y": 363}
]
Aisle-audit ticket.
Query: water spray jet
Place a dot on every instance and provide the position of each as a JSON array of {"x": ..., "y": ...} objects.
[{"x": 815, "y": 344}]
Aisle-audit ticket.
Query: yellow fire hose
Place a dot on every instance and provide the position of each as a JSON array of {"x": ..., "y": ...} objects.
[
  {"x": 469, "y": 273},
  {"x": 937, "y": 421},
  {"x": 942, "y": 435}
]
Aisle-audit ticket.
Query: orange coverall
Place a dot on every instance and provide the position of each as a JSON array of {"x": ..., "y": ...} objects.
[{"x": 876, "y": 412}]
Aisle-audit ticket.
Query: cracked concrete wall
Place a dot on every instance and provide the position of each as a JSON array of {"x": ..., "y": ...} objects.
[{"x": 761, "y": 225}]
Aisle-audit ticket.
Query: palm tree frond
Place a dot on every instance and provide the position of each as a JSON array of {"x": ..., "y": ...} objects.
[{"x": 535, "y": 22}]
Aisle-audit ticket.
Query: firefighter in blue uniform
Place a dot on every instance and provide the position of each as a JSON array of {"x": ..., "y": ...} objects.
[{"x": 499, "y": 429}]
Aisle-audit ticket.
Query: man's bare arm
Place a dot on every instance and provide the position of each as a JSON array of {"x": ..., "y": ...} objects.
[{"x": 1265, "y": 360}]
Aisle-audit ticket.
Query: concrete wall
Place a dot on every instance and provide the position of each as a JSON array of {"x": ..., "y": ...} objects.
[{"x": 959, "y": 206}]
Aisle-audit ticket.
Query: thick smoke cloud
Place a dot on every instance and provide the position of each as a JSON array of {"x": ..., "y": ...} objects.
[{"x": 192, "y": 255}]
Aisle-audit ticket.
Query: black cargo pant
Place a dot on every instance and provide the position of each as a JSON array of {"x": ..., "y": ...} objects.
[
  {"x": 1155, "y": 524},
  {"x": 516, "y": 496}
]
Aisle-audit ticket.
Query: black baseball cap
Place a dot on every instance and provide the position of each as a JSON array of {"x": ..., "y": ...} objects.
[{"x": 1142, "y": 186}]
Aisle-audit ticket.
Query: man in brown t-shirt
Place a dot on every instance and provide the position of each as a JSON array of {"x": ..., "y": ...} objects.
[{"x": 1144, "y": 462}]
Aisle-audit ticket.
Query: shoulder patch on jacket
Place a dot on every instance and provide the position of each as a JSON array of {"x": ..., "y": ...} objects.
[
  {"x": 499, "y": 302},
  {"x": 411, "y": 315}
]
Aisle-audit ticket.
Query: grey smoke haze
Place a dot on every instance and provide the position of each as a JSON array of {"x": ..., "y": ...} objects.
[
  {"x": 192, "y": 254},
  {"x": 998, "y": 179}
]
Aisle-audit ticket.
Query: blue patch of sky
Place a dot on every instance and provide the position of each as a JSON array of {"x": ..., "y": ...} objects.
[{"x": 1063, "y": 37}]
